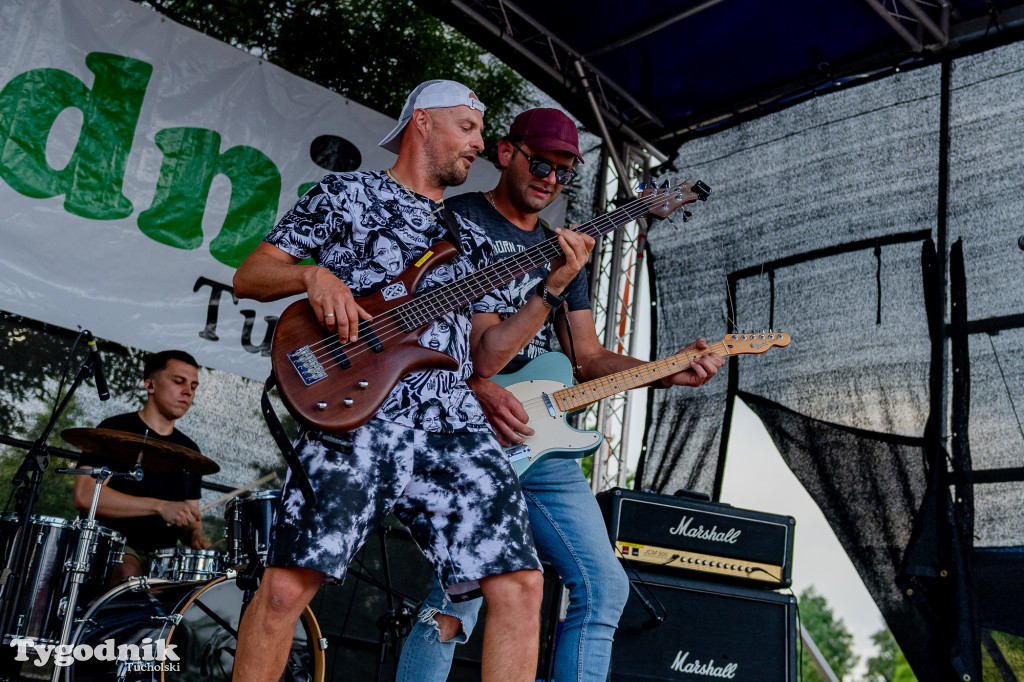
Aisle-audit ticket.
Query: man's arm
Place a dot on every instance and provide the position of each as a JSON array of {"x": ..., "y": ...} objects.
[
  {"x": 596, "y": 361},
  {"x": 113, "y": 504},
  {"x": 506, "y": 414},
  {"x": 493, "y": 343},
  {"x": 269, "y": 273},
  {"x": 193, "y": 534}
]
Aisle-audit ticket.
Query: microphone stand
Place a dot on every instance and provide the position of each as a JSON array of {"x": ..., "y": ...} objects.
[
  {"x": 29, "y": 478},
  {"x": 394, "y": 625}
]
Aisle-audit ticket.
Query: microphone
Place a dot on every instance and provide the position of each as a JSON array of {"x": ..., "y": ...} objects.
[{"x": 97, "y": 365}]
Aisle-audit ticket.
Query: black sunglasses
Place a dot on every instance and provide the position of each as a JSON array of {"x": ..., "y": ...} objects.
[{"x": 542, "y": 168}]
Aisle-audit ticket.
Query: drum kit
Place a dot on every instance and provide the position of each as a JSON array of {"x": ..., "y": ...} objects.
[{"x": 54, "y": 590}]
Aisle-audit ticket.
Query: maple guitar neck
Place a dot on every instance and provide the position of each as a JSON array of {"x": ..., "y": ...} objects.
[{"x": 579, "y": 396}]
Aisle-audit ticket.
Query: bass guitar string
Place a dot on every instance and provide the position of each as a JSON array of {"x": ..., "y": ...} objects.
[{"x": 525, "y": 259}]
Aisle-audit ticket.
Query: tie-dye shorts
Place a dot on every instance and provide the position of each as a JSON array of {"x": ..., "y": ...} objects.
[{"x": 457, "y": 494}]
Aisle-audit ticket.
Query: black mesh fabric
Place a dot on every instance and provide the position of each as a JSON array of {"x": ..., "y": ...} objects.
[{"x": 878, "y": 226}]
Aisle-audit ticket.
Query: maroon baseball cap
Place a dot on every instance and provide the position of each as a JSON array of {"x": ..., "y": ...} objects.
[{"x": 546, "y": 130}]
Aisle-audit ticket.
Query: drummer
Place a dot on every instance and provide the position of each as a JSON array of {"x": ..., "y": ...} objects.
[{"x": 162, "y": 508}]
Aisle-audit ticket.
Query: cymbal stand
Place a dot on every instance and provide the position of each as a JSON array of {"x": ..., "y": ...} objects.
[
  {"x": 86, "y": 539},
  {"x": 27, "y": 480}
]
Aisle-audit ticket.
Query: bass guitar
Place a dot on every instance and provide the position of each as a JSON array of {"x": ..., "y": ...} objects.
[
  {"x": 544, "y": 387},
  {"x": 338, "y": 385}
]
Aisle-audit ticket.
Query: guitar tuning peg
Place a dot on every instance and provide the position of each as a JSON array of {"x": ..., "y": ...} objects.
[
  {"x": 664, "y": 185},
  {"x": 687, "y": 215}
]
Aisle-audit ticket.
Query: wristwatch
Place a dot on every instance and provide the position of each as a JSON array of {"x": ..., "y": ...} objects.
[{"x": 549, "y": 299}]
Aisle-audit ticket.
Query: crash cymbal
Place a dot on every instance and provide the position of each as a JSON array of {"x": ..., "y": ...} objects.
[{"x": 125, "y": 448}]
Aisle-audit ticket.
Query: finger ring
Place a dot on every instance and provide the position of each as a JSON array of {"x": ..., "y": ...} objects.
[{"x": 329, "y": 315}]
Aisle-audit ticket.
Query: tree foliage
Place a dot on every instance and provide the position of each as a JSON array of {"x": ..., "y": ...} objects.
[
  {"x": 33, "y": 358},
  {"x": 889, "y": 665},
  {"x": 830, "y": 635},
  {"x": 371, "y": 51}
]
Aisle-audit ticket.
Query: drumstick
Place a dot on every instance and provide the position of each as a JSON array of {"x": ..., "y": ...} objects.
[{"x": 238, "y": 491}]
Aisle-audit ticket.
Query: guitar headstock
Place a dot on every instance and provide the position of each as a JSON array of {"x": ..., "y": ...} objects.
[
  {"x": 680, "y": 195},
  {"x": 754, "y": 342}
]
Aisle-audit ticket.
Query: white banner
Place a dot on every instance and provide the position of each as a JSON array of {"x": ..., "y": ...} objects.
[{"x": 141, "y": 161}]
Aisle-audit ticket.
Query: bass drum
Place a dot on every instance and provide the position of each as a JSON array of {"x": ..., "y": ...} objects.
[{"x": 199, "y": 619}]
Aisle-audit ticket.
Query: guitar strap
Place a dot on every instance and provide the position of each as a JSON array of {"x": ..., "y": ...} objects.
[
  {"x": 450, "y": 221},
  {"x": 285, "y": 445}
]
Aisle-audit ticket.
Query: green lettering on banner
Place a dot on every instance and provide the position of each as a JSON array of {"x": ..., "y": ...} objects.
[
  {"x": 93, "y": 179},
  {"x": 191, "y": 160}
]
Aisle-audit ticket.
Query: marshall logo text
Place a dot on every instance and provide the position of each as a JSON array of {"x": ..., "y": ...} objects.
[
  {"x": 730, "y": 536},
  {"x": 708, "y": 669}
]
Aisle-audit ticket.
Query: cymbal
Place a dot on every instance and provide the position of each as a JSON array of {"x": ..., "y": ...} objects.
[{"x": 125, "y": 448}]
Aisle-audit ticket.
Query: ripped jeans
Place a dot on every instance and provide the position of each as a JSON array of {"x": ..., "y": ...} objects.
[{"x": 570, "y": 533}]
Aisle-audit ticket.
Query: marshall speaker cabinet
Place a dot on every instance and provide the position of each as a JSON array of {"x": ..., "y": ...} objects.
[
  {"x": 687, "y": 537},
  {"x": 697, "y": 631}
]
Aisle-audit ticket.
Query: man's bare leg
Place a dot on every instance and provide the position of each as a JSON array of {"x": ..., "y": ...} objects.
[
  {"x": 265, "y": 633},
  {"x": 512, "y": 629}
]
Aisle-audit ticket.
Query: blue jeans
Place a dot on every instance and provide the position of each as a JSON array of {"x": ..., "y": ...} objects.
[{"x": 570, "y": 533}]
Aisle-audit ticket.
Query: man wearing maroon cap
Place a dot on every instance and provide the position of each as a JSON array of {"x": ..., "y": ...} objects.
[{"x": 538, "y": 157}]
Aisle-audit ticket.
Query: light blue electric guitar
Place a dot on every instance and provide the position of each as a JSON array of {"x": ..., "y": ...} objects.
[{"x": 544, "y": 386}]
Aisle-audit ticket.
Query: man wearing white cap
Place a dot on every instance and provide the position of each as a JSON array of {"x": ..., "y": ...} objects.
[{"x": 440, "y": 471}]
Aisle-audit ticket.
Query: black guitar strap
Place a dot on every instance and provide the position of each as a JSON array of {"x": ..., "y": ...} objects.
[
  {"x": 451, "y": 224},
  {"x": 564, "y": 309},
  {"x": 285, "y": 445}
]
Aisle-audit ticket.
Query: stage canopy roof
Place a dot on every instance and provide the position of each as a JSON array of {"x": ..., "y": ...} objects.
[{"x": 663, "y": 72}]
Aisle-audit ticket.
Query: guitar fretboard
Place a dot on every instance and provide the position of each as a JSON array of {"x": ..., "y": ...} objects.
[
  {"x": 432, "y": 305},
  {"x": 581, "y": 395}
]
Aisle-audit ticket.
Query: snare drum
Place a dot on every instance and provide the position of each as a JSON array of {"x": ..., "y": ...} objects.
[
  {"x": 200, "y": 620},
  {"x": 46, "y": 571},
  {"x": 186, "y": 564},
  {"x": 247, "y": 520}
]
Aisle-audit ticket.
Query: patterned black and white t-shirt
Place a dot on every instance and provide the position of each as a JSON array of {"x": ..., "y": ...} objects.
[
  {"x": 366, "y": 230},
  {"x": 509, "y": 240}
]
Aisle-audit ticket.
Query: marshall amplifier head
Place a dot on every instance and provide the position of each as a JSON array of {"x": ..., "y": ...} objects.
[
  {"x": 671, "y": 534},
  {"x": 696, "y": 631}
]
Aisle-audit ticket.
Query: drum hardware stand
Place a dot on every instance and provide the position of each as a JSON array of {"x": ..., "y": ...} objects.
[
  {"x": 27, "y": 481},
  {"x": 80, "y": 567}
]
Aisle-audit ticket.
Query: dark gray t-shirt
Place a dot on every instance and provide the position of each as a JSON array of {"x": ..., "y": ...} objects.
[{"x": 508, "y": 240}]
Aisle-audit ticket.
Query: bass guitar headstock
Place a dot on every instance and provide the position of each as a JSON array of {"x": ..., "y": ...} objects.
[{"x": 666, "y": 199}]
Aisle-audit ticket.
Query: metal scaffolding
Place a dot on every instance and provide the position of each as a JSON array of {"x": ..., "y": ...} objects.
[{"x": 616, "y": 274}]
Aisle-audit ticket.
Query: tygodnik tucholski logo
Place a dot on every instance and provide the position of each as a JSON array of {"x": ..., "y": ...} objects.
[
  {"x": 700, "y": 533},
  {"x": 708, "y": 669},
  {"x": 151, "y": 656}
]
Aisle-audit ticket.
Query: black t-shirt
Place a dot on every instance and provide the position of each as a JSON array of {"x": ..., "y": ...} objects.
[
  {"x": 146, "y": 533},
  {"x": 509, "y": 240}
]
